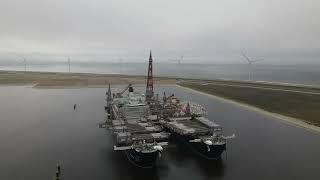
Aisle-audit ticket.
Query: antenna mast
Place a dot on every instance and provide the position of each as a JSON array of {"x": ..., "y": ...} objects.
[{"x": 149, "y": 89}]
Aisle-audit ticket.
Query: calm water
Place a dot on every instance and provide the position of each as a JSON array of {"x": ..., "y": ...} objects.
[
  {"x": 39, "y": 128},
  {"x": 300, "y": 74}
]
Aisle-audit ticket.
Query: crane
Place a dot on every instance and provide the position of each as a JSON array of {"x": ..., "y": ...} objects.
[{"x": 124, "y": 90}]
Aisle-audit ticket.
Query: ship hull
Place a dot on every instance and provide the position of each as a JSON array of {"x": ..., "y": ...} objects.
[
  {"x": 209, "y": 152},
  {"x": 140, "y": 159},
  {"x": 212, "y": 152}
]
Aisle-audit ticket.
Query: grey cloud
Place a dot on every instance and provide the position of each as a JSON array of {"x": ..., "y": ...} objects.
[{"x": 206, "y": 28}]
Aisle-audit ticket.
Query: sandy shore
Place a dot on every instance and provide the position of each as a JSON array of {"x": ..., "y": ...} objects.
[{"x": 289, "y": 120}]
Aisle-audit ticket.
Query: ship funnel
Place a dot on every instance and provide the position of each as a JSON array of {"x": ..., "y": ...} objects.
[{"x": 130, "y": 89}]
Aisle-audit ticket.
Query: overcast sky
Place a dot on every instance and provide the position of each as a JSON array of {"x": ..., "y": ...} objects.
[{"x": 204, "y": 30}]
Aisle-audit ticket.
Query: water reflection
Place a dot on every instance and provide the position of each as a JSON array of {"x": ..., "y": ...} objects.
[
  {"x": 172, "y": 158},
  {"x": 116, "y": 161},
  {"x": 180, "y": 155},
  {"x": 41, "y": 134}
]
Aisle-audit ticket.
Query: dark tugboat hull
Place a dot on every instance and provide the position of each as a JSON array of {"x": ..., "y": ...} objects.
[
  {"x": 143, "y": 160},
  {"x": 212, "y": 152},
  {"x": 209, "y": 152}
]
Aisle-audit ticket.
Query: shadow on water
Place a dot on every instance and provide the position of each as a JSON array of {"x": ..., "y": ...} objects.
[
  {"x": 122, "y": 169},
  {"x": 177, "y": 156},
  {"x": 211, "y": 168},
  {"x": 180, "y": 155}
]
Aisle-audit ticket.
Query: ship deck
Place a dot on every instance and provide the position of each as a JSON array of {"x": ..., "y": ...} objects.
[
  {"x": 135, "y": 127},
  {"x": 190, "y": 126},
  {"x": 126, "y": 132}
]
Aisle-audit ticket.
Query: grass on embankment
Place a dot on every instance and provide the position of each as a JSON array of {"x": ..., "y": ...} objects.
[
  {"x": 52, "y": 79},
  {"x": 293, "y": 104}
]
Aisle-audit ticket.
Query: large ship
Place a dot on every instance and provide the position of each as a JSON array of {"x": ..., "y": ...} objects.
[{"x": 142, "y": 124}]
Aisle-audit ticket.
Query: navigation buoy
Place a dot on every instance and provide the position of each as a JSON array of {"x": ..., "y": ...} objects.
[{"x": 58, "y": 172}]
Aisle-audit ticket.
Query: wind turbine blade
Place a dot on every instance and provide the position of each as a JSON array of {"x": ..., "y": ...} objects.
[
  {"x": 246, "y": 57},
  {"x": 257, "y": 60}
]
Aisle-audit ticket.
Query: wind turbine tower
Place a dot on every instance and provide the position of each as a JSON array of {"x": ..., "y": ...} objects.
[
  {"x": 250, "y": 62},
  {"x": 120, "y": 62},
  {"x": 177, "y": 60},
  {"x": 69, "y": 64},
  {"x": 25, "y": 64}
]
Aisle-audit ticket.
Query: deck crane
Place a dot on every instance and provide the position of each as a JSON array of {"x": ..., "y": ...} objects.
[{"x": 124, "y": 90}]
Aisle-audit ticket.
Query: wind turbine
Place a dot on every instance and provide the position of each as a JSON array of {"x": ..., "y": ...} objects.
[
  {"x": 69, "y": 64},
  {"x": 178, "y": 60},
  {"x": 25, "y": 64},
  {"x": 120, "y": 62},
  {"x": 250, "y": 62},
  {"x": 24, "y": 60}
]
